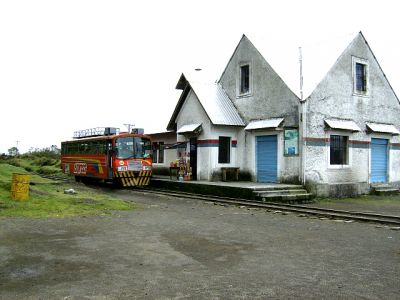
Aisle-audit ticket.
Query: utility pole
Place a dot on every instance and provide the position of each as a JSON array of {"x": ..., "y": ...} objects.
[
  {"x": 17, "y": 150},
  {"x": 303, "y": 124},
  {"x": 301, "y": 73}
]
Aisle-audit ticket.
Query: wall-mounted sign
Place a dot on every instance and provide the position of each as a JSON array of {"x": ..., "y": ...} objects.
[{"x": 291, "y": 142}]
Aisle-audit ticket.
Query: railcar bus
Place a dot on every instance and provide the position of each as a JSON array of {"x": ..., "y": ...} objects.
[{"x": 104, "y": 154}]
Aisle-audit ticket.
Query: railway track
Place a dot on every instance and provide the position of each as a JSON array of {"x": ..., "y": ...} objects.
[
  {"x": 54, "y": 177},
  {"x": 300, "y": 209},
  {"x": 390, "y": 220}
]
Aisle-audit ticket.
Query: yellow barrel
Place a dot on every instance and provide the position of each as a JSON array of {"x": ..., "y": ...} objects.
[{"x": 20, "y": 187}]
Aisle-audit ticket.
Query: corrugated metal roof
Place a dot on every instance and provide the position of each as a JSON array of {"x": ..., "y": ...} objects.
[
  {"x": 215, "y": 101},
  {"x": 268, "y": 123},
  {"x": 343, "y": 125},
  {"x": 383, "y": 128},
  {"x": 188, "y": 128}
]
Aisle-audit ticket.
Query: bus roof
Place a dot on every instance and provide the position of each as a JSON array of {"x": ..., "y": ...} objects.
[{"x": 106, "y": 137}]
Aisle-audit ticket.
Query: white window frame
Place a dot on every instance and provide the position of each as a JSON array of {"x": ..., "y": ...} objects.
[
  {"x": 239, "y": 79},
  {"x": 365, "y": 62},
  {"x": 349, "y": 149}
]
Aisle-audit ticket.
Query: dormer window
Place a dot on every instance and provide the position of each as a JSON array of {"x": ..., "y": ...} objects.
[
  {"x": 244, "y": 79},
  {"x": 360, "y": 76}
]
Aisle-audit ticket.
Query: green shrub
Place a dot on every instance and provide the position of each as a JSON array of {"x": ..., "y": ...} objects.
[
  {"x": 28, "y": 168},
  {"x": 14, "y": 162},
  {"x": 44, "y": 161},
  {"x": 46, "y": 171}
]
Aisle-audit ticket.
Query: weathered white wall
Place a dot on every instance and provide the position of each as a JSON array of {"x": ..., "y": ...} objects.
[
  {"x": 167, "y": 138},
  {"x": 270, "y": 97},
  {"x": 228, "y": 131},
  {"x": 334, "y": 98},
  {"x": 192, "y": 112},
  {"x": 288, "y": 166}
]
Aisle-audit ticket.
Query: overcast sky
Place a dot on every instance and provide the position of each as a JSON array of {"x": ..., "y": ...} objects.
[{"x": 69, "y": 65}]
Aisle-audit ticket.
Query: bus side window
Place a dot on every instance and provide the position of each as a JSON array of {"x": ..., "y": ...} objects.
[
  {"x": 72, "y": 148},
  {"x": 92, "y": 148},
  {"x": 103, "y": 149}
]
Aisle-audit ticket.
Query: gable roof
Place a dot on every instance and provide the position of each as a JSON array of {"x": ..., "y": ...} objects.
[
  {"x": 319, "y": 56},
  {"x": 245, "y": 39},
  {"x": 212, "y": 97},
  {"x": 322, "y": 74}
]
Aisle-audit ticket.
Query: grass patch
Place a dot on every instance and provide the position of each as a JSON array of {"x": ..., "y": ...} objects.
[
  {"x": 38, "y": 164},
  {"x": 47, "y": 198}
]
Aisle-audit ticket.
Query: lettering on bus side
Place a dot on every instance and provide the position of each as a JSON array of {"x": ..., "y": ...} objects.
[{"x": 80, "y": 168}]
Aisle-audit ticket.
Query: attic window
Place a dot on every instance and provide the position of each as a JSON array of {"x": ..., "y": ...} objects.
[
  {"x": 360, "y": 76},
  {"x": 244, "y": 79}
]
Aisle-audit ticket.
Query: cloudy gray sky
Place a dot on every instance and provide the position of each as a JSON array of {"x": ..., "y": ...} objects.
[{"x": 69, "y": 65}]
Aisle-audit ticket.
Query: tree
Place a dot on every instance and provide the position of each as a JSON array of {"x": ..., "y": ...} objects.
[
  {"x": 13, "y": 151},
  {"x": 55, "y": 149}
]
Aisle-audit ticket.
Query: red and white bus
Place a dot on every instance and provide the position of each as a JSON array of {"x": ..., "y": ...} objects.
[{"x": 104, "y": 154}]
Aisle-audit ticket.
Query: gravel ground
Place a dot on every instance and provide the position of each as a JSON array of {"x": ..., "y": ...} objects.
[{"x": 188, "y": 249}]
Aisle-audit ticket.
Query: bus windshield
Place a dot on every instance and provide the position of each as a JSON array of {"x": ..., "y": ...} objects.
[{"x": 132, "y": 147}]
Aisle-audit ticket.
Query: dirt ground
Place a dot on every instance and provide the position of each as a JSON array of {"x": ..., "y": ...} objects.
[{"x": 186, "y": 249}]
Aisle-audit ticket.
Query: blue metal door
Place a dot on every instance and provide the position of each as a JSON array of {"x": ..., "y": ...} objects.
[
  {"x": 267, "y": 158},
  {"x": 379, "y": 160}
]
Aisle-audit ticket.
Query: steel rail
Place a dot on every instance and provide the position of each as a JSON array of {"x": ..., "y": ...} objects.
[
  {"x": 301, "y": 209},
  {"x": 295, "y": 208}
]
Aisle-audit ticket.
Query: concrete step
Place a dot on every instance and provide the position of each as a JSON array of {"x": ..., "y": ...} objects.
[
  {"x": 380, "y": 185},
  {"x": 278, "y": 187},
  {"x": 280, "y": 192},
  {"x": 292, "y": 193},
  {"x": 289, "y": 198},
  {"x": 386, "y": 191}
]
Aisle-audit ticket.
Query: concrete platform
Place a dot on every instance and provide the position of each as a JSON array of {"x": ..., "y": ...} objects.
[
  {"x": 233, "y": 189},
  {"x": 389, "y": 205}
]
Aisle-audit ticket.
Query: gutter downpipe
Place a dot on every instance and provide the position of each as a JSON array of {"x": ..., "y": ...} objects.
[
  {"x": 303, "y": 141},
  {"x": 303, "y": 118}
]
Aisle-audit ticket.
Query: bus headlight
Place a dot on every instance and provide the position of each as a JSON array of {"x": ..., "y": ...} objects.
[{"x": 146, "y": 168}]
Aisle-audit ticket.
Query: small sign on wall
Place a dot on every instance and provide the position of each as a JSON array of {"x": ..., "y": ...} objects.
[{"x": 291, "y": 142}]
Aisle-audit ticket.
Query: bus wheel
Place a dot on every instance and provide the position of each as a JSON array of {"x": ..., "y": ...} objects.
[
  {"x": 78, "y": 179},
  {"x": 117, "y": 183}
]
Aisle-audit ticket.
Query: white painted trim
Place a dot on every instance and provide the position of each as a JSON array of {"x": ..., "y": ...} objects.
[
  {"x": 238, "y": 80},
  {"x": 328, "y": 150}
]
